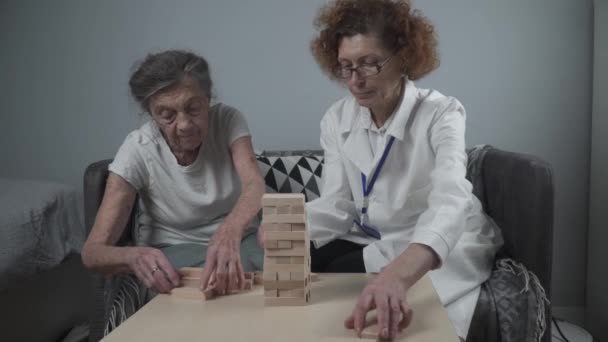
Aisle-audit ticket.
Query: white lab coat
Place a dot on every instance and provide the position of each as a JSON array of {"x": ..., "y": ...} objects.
[{"x": 421, "y": 194}]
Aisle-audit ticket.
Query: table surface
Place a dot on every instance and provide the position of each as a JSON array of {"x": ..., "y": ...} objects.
[{"x": 243, "y": 317}]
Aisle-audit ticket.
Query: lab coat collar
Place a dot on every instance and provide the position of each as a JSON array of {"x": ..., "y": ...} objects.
[
  {"x": 352, "y": 119},
  {"x": 356, "y": 146}
]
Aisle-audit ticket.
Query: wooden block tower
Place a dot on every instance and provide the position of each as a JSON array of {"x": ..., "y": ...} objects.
[{"x": 287, "y": 251}]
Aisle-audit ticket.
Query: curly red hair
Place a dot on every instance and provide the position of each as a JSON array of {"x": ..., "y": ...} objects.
[{"x": 399, "y": 28}]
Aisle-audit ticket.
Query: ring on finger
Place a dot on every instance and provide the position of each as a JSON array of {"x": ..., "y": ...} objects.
[{"x": 155, "y": 269}]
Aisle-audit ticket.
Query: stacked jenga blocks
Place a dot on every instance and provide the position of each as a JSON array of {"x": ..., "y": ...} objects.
[{"x": 287, "y": 253}]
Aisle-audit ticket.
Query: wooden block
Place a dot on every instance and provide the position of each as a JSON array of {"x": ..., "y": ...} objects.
[
  {"x": 277, "y": 227},
  {"x": 282, "y": 199},
  {"x": 283, "y": 209},
  {"x": 284, "y": 268},
  {"x": 289, "y": 218},
  {"x": 297, "y": 260},
  {"x": 276, "y": 260},
  {"x": 284, "y": 293},
  {"x": 270, "y": 276},
  {"x": 284, "y": 227},
  {"x": 190, "y": 282},
  {"x": 289, "y": 301},
  {"x": 292, "y": 293},
  {"x": 190, "y": 272},
  {"x": 269, "y": 211},
  {"x": 293, "y": 252},
  {"x": 273, "y": 235},
  {"x": 284, "y": 244},
  {"x": 248, "y": 285},
  {"x": 283, "y": 276},
  {"x": 270, "y": 243},
  {"x": 209, "y": 292},
  {"x": 298, "y": 227},
  {"x": 370, "y": 333},
  {"x": 271, "y": 293},
  {"x": 300, "y": 276},
  {"x": 297, "y": 209},
  {"x": 258, "y": 278},
  {"x": 285, "y": 284},
  {"x": 299, "y": 244}
]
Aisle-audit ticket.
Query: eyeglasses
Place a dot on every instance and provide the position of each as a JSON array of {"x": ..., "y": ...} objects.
[{"x": 363, "y": 70}]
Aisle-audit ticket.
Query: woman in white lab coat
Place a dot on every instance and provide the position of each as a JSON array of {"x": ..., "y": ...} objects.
[{"x": 394, "y": 198}]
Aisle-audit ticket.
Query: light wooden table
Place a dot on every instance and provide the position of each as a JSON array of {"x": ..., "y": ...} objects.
[{"x": 243, "y": 317}]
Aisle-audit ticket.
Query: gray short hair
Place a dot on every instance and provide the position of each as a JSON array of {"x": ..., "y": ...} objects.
[{"x": 164, "y": 69}]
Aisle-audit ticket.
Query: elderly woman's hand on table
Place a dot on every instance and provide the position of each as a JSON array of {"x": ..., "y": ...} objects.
[
  {"x": 223, "y": 260},
  {"x": 152, "y": 267}
]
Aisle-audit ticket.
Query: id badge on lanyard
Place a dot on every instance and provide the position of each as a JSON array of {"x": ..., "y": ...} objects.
[{"x": 363, "y": 221}]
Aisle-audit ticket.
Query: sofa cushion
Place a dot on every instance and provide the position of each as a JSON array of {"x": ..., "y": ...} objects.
[{"x": 292, "y": 174}]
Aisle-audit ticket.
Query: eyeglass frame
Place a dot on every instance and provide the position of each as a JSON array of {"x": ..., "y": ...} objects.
[{"x": 378, "y": 66}]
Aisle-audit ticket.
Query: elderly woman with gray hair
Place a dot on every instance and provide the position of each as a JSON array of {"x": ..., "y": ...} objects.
[{"x": 193, "y": 166}]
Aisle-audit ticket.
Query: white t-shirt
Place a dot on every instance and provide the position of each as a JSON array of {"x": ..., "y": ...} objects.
[{"x": 182, "y": 204}]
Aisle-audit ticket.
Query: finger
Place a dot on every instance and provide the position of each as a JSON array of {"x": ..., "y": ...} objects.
[
  {"x": 144, "y": 273},
  {"x": 158, "y": 279},
  {"x": 209, "y": 269},
  {"x": 349, "y": 322},
  {"x": 240, "y": 273},
  {"x": 221, "y": 275},
  {"x": 395, "y": 316},
  {"x": 363, "y": 306},
  {"x": 141, "y": 275},
  {"x": 383, "y": 314},
  {"x": 408, "y": 315},
  {"x": 168, "y": 270},
  {"x": 233, "y": 279}
]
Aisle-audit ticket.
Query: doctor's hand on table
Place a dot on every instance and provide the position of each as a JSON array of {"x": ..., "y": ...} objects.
[
  {"x": 223, "y": 261},
  {"x": 387, "y": 292}
]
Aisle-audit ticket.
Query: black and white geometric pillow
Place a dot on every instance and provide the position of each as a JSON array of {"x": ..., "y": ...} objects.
[{"x": 292, "y": 174}]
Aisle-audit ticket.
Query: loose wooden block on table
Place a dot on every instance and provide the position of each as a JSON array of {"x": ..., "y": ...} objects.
[{"x": 191, "y": 279}]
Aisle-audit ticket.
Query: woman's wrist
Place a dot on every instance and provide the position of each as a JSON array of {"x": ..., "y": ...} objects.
[{"x": 414, "y": 263}]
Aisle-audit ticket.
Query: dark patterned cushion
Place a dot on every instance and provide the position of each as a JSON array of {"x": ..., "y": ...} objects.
[{"x": 292, "y": 174}]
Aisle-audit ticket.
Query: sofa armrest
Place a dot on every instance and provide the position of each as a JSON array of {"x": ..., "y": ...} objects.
[
  {"x": 519, "y": 197},
  {"x": 94, "y": 187}
]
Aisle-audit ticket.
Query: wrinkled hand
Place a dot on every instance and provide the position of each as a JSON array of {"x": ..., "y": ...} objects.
[
  {"x": 152, "y": 267},
  {"x": 387, "y": 294},
  {"x": 224, "y": 261}
]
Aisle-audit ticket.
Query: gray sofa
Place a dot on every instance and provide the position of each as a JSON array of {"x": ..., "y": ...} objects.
[{"x": 516, "y": 190}]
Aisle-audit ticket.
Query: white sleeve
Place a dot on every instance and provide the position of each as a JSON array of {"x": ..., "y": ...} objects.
[
  {"x": 450, "y": 199},
  {"x": 234, "y": 125},
  {"x": 129, "y": 162},
  {"x": 331, "y": 215}
]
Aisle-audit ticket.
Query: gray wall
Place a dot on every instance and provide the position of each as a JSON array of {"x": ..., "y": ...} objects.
[
  {"x": 521, "y": 68},
  {"x": 597, "y": 278}
]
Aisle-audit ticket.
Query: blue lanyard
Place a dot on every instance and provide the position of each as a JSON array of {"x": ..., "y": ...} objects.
[{"x": 367, "y": 189}]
